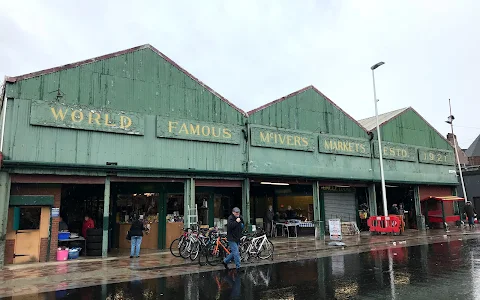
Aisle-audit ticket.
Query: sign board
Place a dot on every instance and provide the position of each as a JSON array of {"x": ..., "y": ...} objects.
[
  {"x": 55, "y": 212},
  {"x": 436, "y": 156},
  {"x": 191, "y": 130},
  {"x": 72, "y": 116},
  {"x": 395, "y": 151},
  {"x": 343, "y": 145},
  {"x": 272, "y": 137},
  {"x": 335, "y": 229}
]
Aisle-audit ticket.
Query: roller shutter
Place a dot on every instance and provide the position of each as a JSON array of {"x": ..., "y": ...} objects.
[{"x": 340, "y": 206}]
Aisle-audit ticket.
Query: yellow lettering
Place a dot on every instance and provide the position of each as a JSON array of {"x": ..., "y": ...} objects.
[
  {"x": 345, "y": 146},
  {"x": 275, "y": 135},
  {"x": 76, "y": 118},
  {"x": 171, "y": 125},
  {"x": 356, "y": 147},
  {"x": 340, "y": 145},
  {"x": 282, "y": 141},
  {"x": 96, "y": 119},
  {"x": 183, "y": 128},
  {"x": 362, "y": 148},
  {"x": 213, "y": 132},
  {"x": 107, "y": 123},
  {"x": 350, "y": 147},
  {"x": 60, "y": 113},
  {"x": 264, "y": 137},
  {"x": 326, "y": 145},
  {"x": 398, "y": 151},
  {"x": 195, "y": 129},
  {"x": 297, "y": 140},
  {"x": 392, "y": 151},
  {"x": 385, "y": 150},
  {"x": 289, "y": 140},
  {"x": 404, "y": 153},
  {"x": 124, "y": 124},
  {"x": 304, "y": 141},
  {"x": 226, "y": 133},
  {"x": 205, "y": 132}
]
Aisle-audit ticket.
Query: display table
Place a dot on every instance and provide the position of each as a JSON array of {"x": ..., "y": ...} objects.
[
  {"x": 149, "y": 241},
  {"x": 174, "y": 230}
]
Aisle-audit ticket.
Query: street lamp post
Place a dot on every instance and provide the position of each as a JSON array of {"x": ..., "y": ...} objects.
[
  {"x": 450, "y": 121},
  {"x": 382, "y": 175}
]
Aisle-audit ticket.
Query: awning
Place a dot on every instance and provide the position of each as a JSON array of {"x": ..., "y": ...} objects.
[{"x": 445, "y": 198}]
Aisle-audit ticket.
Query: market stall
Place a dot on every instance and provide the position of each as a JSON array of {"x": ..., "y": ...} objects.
[{"x": 435, "y": 211}]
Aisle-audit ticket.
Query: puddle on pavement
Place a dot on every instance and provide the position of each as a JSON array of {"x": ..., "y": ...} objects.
[{"x": 448, "y": 270}]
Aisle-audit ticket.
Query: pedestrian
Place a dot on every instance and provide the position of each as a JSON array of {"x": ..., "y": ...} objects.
[
  {"x": 470, "y": 211},
  {"x": 394, "y": 210},
  {"x": 234, "y": 233},
  {"x": 62, "y": 226},
  {"x": 136, "y": 235},
  {"x": 88, "y": 223},
  {"x": 268, "y": 220},
  {"x": 291, "y": 214}
]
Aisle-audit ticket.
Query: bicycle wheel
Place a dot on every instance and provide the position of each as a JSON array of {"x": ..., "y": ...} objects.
[
  {"x": 202, "y": 256},
  {"x": 174, "y": 247},
  {"x": 214, "y": 259},
  {"x": 195, "y": 251},
  {"x": 244, "y": 255},
  {"x": 185, "y": 249},
  {"x": 266, "y": 251}
]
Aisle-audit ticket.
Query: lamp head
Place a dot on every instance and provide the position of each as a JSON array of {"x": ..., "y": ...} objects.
[{"x": 377, "y": 65}]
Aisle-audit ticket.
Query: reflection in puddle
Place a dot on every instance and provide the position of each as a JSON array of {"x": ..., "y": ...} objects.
[{"x": 446, "y": 270}]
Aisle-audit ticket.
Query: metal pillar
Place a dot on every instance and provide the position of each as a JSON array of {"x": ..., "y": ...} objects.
[
  {"x": 246, "y": 202},
  {"x": 372, "y": 200},
  {"x": 4, "y": 201},
  {"x": 106, "y": 213},
  {"x": 188, "y": 200},
  {"x": 317, "y": 216},
  {"x": 418, "y": 208}
]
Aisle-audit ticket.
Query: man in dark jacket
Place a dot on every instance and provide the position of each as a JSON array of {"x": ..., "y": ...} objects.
[
  {"x": 268, "y": 220},
  {"x": 469, "y": 210},
  {"x": 234, "y": 233}
]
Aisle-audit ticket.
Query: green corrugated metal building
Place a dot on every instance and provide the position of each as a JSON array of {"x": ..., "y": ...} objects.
[{"x": 132, "y": 133}]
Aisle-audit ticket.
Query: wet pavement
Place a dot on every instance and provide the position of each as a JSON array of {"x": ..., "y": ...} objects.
[{"x": 432, "y": 266}]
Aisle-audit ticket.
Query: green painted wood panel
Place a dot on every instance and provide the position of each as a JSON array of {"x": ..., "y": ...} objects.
[
  {"x": 199, "y": 131},
  {"x": 261, "y": 136},
  {"x": 409, "y": 128},
  {"x": 308, "y": 111},
  {"x": 395, "y": 151},
  {"x": 342, "y": 145},
  {"x": 55, "y": 114},
  {"x": 27, "y": 200}
]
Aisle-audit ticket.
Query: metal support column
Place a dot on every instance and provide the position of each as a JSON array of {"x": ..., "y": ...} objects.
[
  {"x": 4, "y": 201},
  {"x": 246, "y": 203},
  {"x": 317, "y": 216},
  {"x": 372, "y": 199},
  {"x": 188, "y": 199},
  {"x": 106, "y": 213},
  {"x": 418, "y": 208}
]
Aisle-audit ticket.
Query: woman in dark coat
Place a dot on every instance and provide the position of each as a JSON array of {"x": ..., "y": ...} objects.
[{"x": 136, "y": 235}]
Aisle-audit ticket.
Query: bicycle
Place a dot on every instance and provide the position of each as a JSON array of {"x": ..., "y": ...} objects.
[
  {"x": 256, "y": 245},
  {"x": 218, "y": 250}
]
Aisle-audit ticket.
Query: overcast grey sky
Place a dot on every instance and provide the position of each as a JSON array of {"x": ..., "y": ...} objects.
[{"x": 253, "y": 52}]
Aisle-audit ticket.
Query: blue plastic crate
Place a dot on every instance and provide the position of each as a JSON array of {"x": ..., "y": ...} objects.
[
  {"x": 74, "y": 253},
  {"x": 63, "y": 235}
]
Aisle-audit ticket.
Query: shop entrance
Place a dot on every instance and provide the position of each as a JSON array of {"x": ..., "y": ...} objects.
[
  {"x": 400, "y": 200},
  {"x": 292, "y": 203},
  {"x": 215, "y": 200}
]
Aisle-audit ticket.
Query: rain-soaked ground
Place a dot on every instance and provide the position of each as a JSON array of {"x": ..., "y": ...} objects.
[{"x": 448, "y": 270}]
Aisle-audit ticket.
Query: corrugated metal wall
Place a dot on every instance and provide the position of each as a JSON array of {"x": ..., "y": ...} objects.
[
  {"x": 409, "y": 128},
  {"x": 140, "y": 81}
]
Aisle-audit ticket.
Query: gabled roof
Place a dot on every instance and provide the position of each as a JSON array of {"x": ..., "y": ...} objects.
[
  {"x": 387, "y": 117},
  {"x": 371, "y": 123},
  {"x": 115, "y": 54},
  {"x": 299, "y": 92},
  {"x": 474, "y": 149}
]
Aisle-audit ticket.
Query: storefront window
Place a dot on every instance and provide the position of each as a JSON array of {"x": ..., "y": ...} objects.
[
  {"x": 29, "y": 218},
  {"x": 132, "y": 206},
  {"x": 175, "y": 208}
]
